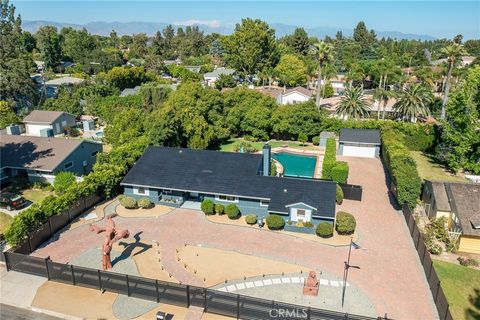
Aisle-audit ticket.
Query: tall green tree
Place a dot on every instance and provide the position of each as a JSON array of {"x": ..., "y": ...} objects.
[
  {"x": 413, "y": 101},
  {"x": 16, "y": 86},
  {"x": 48, "y": 42},
  {"x": 453, "y": 53},
  {"x": 324, "y": 54},
  {"x": 353, "y": 104},
  {"x": 291, "y": 71},
  {"x": 252, "y": 47},
  {"x": 7, "y": 115},
  {"x": 298, "y": 41}
]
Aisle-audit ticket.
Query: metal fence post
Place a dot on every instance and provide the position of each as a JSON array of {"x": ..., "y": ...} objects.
[
  {"x": 188, "y": 295},
  {"x": 99, "y": 280},
  {"x": 46, "y": 267},
  {"x": 430, "y": 272},
  {"x": 73, "y": 275},
  {"x": 7, "y": 263},
  {"x": 238, "y": 306},
  {"x": 156, "y": 288},
  {"x": 438, "y": 289},
  {"x": 50, "y": 226},
  {"x": 128, "y": 285},
  {"x": 446, "y": 312}
]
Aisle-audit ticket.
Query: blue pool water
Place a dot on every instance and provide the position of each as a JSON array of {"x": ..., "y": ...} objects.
[{"x": 296, "y": 165}]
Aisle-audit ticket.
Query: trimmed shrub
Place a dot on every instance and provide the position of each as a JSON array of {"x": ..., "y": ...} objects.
[
  {"x": 345, "y": 223},
  {"x": 207, "y": 207},
  {"x": 339, "y": 172},
  {"x": 251, "y": 218},
  {"x": 434, "y": 248},
  {"x": 302, "y": 137},
  {"x": 316, "y": 140},
  {"x": 275, "y": 222},
  {"x": 219, "y": 208},
  {"x": 144, "y": 203},
  {"x": 63, "y": 180},
  {"x": 324, "y": 230},
  {"x": 339, "y": 195},
  {"x": 129, "y": 202},
  {"x": 120, "y": 197},
  {"x": 329, "y": 159},
  {"x": 468, "y": 262},
  {"x": 232, "y": 211},
  {"x": 308, "y": 224}
]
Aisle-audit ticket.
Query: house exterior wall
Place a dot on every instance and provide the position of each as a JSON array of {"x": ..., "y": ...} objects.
[
  {"x": 308, "y": 212},
  {"x": 245, "y": 205},
  {"x": 152, "y": 194},
  {"x": 294, "y": 97},
  {"x": 469, "y": 244},
  {"x": 81, "y": 159},
  {"x": 341, "y": 148},
  {"x": 63, "y": 121},
  {"x": 33, "y": 129}
]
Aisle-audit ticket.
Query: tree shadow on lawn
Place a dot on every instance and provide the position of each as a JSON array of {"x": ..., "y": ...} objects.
[
  {"x": 473, "y": 313},
  {"x": 129, "y": 247}
]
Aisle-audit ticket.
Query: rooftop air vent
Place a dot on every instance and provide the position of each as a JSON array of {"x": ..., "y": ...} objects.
[{"x": 285, "y": 190}]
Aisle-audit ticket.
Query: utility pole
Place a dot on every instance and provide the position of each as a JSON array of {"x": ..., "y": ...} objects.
[{"x": 347, "y": 266}]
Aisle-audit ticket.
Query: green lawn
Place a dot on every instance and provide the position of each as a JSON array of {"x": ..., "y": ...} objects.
[
  {"x": 5, "y": 221},
  {"x": 35, "y": 196},
  {"x": 230, "y": 144},
  {"x": 430, "y": 170},
  {"x": 462, "y": 288}
]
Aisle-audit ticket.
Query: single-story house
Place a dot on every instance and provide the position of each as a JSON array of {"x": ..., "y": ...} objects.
[
  {"x": 359, "y": 143},
  {"x": 337, "y": 82},
  {"x": 40, "y": 158},
  {"x": 53, "y": 85},
  {"x": 130, "y": 91},
  {"x": 195, "y": 69},
  {"x": 38, "y": 122},
  {"x": 460, "y": 204},
  {"x": 294, "y": 95},
  {"x": 171, "y": 176},
  {"x": 212, "y": 77}
]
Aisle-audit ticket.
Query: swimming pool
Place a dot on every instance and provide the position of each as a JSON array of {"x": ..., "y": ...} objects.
[{"x": 296, "y": 165}]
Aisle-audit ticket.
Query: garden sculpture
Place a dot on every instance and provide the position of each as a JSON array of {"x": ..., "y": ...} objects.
[
  {"x": 112, "y": 234},
  {"x": 310, "y": 286}
]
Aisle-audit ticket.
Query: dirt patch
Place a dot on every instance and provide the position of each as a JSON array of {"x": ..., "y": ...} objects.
[
  {"x": 75, "y": 301},
  {"x": 156, "y": 211},
  {"x": 216, "y": 265}
]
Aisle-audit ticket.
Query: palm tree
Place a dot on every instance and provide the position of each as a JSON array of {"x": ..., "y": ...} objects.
[
  {"x": 381, "y": 96},
  {"x": 413, "y": 101},
  {"x": 353, "y": 104},
  {"x": 453, "y": 53},
  {"x": 324, "y": 53}
]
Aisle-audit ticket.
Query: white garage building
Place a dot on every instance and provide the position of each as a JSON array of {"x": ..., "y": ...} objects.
[
  {"x": 359, "y": 143},
  {"x": 39, "y": 120}
]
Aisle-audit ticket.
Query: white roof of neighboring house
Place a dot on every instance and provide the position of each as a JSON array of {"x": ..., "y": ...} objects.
[
  {"x": 43, "y": 116},
  {"x": 218, "y": 72},
  {"x": 64, "y": 81},
  {"x": 130, "y": 91}
]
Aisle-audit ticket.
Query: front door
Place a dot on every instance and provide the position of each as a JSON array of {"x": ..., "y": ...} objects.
[{"x": 301, "y": 215}]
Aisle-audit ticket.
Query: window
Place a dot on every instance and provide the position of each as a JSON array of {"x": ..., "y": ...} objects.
[
  {"x": 94, "y": 153},
  {"x": 141, "y": 190},
  {"x": 264, "y": 203},
  {"x": 166, "y": 191},
  {"x": 300, "y": 215},
  {"x": 68, "y": 165},
  {"x": 226, "y": 198}
]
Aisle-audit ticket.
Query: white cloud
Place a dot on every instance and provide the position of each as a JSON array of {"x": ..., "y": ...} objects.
[{"x": 191, "y": 22}]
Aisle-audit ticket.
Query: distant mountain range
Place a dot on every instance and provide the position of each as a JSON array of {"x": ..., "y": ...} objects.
[{"x": 104, "y": 28}]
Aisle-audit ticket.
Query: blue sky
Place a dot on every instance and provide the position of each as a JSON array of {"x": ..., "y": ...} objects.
[{"x": 436, "y": 18}]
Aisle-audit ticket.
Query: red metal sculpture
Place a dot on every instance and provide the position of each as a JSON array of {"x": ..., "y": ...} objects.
[
  {"x": 111, "y": 235},
  {"x": 310, "y": 286}
]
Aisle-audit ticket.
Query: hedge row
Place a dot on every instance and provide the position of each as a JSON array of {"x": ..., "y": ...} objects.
[
  {"x": 104, "y": 179},
  {"x": 402, "y": 167},
  {"x": 331, "y": 168},
  {"x": 339, "y": 172}
]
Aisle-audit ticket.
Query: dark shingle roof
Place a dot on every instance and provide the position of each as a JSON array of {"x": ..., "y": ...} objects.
[
  {"x": 370, "y": 136},
  {"x": 226, "y": 173},
  {"x": 465, "y": 202},
  {"x": 441, "y": 197}
]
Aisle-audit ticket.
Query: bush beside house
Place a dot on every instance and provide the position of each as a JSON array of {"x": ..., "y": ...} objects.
[
  {"x": 63, "y": 180},
  {"x": 232, "y": 211},
  {"x": 251, "y": 218},
  {"x": 346, "y": 223},
  {"x": 324, "y": 230},
  {"x": 128, "y": 202},
  {"x": 219, "y": 208},
  {"x": 207, "y": 207},
  {"x": 339, "y": 195},
  {"x": 275, "y": 222},
  {"x": 144, "y": 203}
]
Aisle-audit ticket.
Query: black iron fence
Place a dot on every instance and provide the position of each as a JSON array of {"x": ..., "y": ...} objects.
[
  {"x": 212, "y": 301},
  {"x": 57, "y": 222},
  {"x": 351, "y": 191},
  {"x": 433, "y": 281}
]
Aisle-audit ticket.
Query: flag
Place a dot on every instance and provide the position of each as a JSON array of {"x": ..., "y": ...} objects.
[{"x": 355, "y": 246}]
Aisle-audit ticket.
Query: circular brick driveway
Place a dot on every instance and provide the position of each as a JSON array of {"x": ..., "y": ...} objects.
[{"x": 390, "y": 273}]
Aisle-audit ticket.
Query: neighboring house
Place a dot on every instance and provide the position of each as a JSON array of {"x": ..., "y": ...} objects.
[
  {"x": 178, "y": 62},
  {"x": 47, "y": 123},
  {"x": 173, "y": 175},
  {"x": 295, "y": 95},
  {"x": 53, "y": 85},
  {"x": 40, "y": 158},
  {"x": 337, "y": 82},
  {"x": 460, "y": 204},
  {"x": 195, "y": 69},
  {"x": 464, "y": 61},
  {"x": 270, "y": 91},
  {"x": 359, "y": 143},
  {"x": 130, "y": 91},
  {"x": 212, "y": 77}
]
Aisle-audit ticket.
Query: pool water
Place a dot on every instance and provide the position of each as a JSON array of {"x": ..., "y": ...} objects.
[{"x": 296, "y": 165}]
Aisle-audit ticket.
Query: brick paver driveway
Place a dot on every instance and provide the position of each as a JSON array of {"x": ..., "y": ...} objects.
[{"x": 389, "y": 271}]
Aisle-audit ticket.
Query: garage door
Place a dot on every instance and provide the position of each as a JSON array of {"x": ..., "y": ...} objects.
[
  {"x": 366, "y": 152},
  {"x": 34, "y": 129}
]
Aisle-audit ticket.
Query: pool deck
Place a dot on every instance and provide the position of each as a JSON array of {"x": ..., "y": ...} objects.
[{"x": 317, "y": 153}]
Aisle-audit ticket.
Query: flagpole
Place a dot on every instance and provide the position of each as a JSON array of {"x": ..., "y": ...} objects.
[{"x": 345, "y": 271}]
